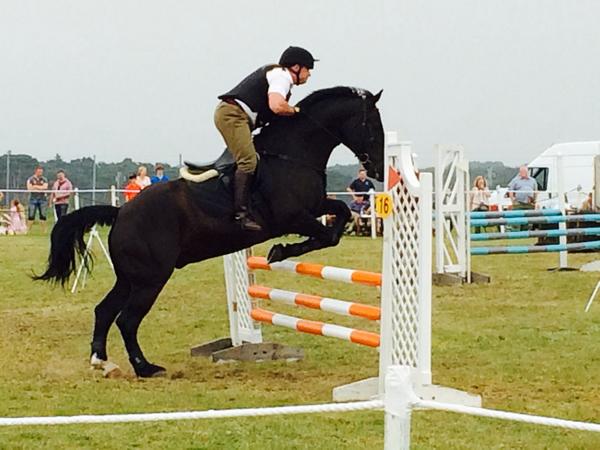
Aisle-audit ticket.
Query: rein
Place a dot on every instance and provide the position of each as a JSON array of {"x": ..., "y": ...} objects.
[{"x": 363, "y": 157}]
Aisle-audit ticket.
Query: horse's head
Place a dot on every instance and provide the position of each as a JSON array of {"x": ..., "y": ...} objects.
[
  {"x": 363, "y": 133},
  {"x": 350, "y": 116}
]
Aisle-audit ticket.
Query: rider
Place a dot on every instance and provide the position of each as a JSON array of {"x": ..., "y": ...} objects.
[{"x": 250, "y": 105}]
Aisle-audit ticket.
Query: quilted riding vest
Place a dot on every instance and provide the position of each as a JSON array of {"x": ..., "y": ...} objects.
[{"x": 252, "y": 90}]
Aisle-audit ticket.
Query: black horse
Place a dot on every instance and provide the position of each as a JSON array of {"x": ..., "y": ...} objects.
[{"x": 170, "y": 225}]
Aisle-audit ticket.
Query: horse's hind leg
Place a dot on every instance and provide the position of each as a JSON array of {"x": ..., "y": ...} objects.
[
  {"x": 105, "y": 314},
  {"x": 141, "y": 299}
]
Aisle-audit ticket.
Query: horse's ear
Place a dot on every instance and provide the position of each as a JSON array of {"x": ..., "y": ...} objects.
[{"x": 377, "y": 96}]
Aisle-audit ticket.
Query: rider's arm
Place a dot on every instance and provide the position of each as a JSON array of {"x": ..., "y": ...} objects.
[
  {"x": 279, "y": 105},
  {"x": 280, "y": 84}
]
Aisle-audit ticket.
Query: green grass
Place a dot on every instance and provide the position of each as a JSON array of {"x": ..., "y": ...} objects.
[{"x": 523, "y": 342}]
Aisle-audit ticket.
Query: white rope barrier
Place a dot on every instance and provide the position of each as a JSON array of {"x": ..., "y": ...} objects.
[
  {"x": 398, "y": 402},
  {"x": 504, "y": 415},
  {"x": 192, "y": 415},
  {"x": 289, "y": 410}
]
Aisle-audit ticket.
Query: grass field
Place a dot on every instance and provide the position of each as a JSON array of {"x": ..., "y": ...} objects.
[{"x": 523, "y": 342}]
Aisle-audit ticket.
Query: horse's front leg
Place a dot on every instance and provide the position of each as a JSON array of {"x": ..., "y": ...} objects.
[
  {"x": 342, "y": 214},
  {"x": 319, "y": 235}
]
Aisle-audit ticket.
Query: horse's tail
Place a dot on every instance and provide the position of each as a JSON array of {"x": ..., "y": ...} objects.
[{"x": 67, "y": 237}]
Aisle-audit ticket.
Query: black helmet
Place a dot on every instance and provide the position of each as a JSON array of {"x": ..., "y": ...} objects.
[{"x": 297, "y": 55}]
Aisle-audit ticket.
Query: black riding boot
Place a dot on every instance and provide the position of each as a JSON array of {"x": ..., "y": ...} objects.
[{"x": 241, "y": 195}]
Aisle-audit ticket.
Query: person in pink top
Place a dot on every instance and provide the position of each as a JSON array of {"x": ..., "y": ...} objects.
[
  {"x": 60, "y": 199},
  {"x": 17, "y": 224}
]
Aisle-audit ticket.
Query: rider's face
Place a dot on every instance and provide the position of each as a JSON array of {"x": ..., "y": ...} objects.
[{"x": 304, "y": 75}]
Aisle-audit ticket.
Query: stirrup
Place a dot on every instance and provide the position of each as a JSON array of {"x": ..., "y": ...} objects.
[{"x": 247, "y": 222}]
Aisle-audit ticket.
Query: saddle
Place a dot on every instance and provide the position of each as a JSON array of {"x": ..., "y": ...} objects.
[
  {"x": 211, "y": 184},
  {"x": 226, "y": 159},
  {"x": 199, "y": 172}
]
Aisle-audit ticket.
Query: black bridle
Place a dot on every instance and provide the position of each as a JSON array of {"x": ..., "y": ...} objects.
[{"x": 369, "y": 137}]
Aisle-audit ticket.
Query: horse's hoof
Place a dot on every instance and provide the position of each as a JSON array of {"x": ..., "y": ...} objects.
[
  {"x": 111, "y": 370},
  {"x": 150, "y": 371},
  {"x": 160, "y": 374},
  {"x": 97, "y": 363},
  {"x": 275, "y": 254}
]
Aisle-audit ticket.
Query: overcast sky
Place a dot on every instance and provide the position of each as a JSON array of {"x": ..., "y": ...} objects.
[{"x": 505, "y": 78}]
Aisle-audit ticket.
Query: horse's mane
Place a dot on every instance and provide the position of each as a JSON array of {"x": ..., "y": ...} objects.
[
  {"x": 334, "y": 92},
  {"x": 306, "y": 104}
]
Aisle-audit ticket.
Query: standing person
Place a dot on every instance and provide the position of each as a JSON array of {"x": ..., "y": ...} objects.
[
  {"x": 61, "y": 200},
  {"x": 360, "y": 203},
  {"x": 480, "y": 195},
  {"x": 142, "y": 178},
  {"x": 361, "y": 184},
  {"x": 132, "y": 188},
  {"x": 251, "y": 104},
  {"x": 37, "y": 200},
  {"x": 159, "y": 175},
  {"x": 522, "y": 190},
  {"x": 17, "y": 224}
]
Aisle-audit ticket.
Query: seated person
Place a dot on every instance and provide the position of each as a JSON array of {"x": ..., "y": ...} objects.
[
  {"x": 358, "y": 208},
  {"x": 588, "y": 203}
]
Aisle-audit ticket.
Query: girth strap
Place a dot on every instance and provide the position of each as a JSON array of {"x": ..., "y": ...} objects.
[{"x": 290, "y": 159}]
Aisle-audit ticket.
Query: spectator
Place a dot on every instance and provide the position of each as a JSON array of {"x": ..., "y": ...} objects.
[
  {"x": 159, "y": 175},
  {"x": 361, "y": 184},
  {"x": 132, "y": 188},
  {"x": 37, "y": 200},
  {"x": 358, "y": 207},
  {"x": 142, "y": 178},
  {"x": 61, "y": 200},
  {"x": 360, "y": 203},
  {"x": 480, "y": 195},
  {"x": 522, "y": 190},
  {"x": 17, "y": 224},
  {"x": 588, "y": 203}
]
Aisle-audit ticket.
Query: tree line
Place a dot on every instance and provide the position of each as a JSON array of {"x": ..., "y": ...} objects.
[{"x": 80, "y": 170}]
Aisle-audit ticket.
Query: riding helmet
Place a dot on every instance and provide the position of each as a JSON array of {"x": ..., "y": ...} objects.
[{"x": 297, "y": 55}]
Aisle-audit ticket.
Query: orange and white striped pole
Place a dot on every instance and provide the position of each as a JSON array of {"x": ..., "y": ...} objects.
[
  {"x": 317, "y": 270},
  {"x": 315, "y": 302},
  {"x": 318, "y": 328}
]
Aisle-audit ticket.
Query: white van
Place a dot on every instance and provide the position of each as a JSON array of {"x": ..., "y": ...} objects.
[{"x": 568, "y": 167}]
